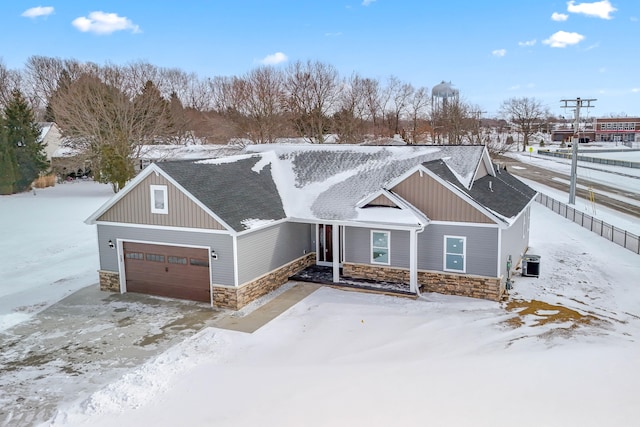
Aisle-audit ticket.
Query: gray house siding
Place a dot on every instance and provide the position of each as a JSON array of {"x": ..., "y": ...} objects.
[
  {"x": 264, "y": 250},
  {"x": 481, "y": 250},
  {"x": 221, "y": 269},
  {"x": 515, "y": 241},
  {"x": 135, "y": 208},
  {"x": 358, "y": 246}
]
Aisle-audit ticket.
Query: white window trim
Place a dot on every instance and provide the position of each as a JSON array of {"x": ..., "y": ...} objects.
[
  {"x": 464, "y": 254},
  {"x": 388, "y": 248},
  {"x": 153, "y": 189}
]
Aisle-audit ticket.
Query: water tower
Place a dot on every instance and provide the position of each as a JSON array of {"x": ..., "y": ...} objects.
[{"x": 441, "y": 94}]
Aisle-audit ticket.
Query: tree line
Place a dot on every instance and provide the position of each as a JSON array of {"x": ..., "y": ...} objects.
[{"x": 109, "y": 111}]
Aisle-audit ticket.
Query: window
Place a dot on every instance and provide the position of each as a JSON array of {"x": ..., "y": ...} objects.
[
  {"x": 159, "y": 199},
  {"x": 379, "y": 247},
  {"x": 454, "y": 253},
  {"x": 134, "y": 255},
  {"x": 199, "y": 262},
  {"x": 155, "y": 257},
  {"x": 176, "y": 260}
]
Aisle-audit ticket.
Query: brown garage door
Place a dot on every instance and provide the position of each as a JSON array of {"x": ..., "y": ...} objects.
[{"x": 170, "y": 271}]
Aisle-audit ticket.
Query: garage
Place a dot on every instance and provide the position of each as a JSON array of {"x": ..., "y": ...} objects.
[{"x": 168, "y": 271}]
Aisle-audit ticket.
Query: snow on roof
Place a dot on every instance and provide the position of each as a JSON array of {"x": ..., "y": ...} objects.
[
  {"x": 325, "y": 182},
  {"x": 388, "y": 215},
  {"x": 190, "y": 151}
]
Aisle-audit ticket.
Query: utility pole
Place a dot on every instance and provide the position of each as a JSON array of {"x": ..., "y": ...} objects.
[{"x": 576, "y": 104}]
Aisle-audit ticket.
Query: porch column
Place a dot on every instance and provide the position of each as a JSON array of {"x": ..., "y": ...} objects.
[
  {"x": 413, "y": 261},
  {"x": 335, "y": 244}
]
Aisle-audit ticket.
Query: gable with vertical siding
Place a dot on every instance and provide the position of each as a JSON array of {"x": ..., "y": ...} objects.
[
  {"x": 382, "y": 200},
  {"x": 436, "y": 201},
  {"x": 135, "y": 208}
]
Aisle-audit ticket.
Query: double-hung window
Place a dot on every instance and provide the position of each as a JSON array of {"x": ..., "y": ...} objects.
[
  {"x": 455, "y": 253},
  {"x": 159, "y": 200},
  {"x": 380, "y": 247}
]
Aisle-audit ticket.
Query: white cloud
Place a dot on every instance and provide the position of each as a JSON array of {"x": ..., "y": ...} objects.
[
  {"x": 635, "y": 90},
  {"x": 367, "y": 2},
  {"x": 600, "y": 9},
  {"x": 563, "y": 39},
  {"x": 499, "y": 52},
  {"x": 555, "y": 16},
  {"x": 274, "y": 59},
  {"x": 337, "y": 34},
  {"x": 34, "y": 12},
  {"x": 527, "y": 43},
  {"x": 104, "y": 23}
]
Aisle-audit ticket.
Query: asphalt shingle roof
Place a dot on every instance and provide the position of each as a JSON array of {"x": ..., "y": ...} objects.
[
  {"x": 232, "y": 190},
  {"x": 503, "y": 194}
]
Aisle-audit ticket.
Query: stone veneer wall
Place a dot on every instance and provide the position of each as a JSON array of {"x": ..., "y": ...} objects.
[
  {"x": 490, "y": 288},
  {"x": 236, "y": 298},
  {"x": 109, "y": 281}
]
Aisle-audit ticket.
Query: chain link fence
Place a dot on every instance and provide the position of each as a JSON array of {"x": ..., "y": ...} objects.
[{"x": 621, "y": 237}]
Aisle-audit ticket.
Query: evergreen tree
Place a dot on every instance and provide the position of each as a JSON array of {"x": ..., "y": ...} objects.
[
  {"x": 24, "y": 132},
  {"x": 7, "y": 164}
]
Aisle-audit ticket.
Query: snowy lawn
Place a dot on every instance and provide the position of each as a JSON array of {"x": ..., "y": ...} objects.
[{"x": 47, "y": 250}]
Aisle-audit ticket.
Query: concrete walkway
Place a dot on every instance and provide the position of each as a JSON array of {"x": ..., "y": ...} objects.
[{"x": 269, "y": 311}]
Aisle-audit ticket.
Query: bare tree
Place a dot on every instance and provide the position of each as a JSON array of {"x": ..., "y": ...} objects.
[
  {"x": 418, "y": 115},
  {"x": 41, "y": 76},
  {"x": 109, "y": 127},
  {"x": 311, "y": 97},
  {"x": 349, "y": 120},
  {"x": 373, "y": 100},
  {"x": 525, "y": 114},
  {"x": 400, "y": 94},
  {"x": 9, "y": 81},
  {"x": 262, "y": 100}
]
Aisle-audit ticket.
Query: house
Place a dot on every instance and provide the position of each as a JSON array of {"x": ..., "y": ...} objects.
[
  {"x": 229, "y": 230},
  {"x": 51, "y": 137}
]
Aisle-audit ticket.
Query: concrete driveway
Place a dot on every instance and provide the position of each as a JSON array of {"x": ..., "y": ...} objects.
[{"x": 82, "y": 343}]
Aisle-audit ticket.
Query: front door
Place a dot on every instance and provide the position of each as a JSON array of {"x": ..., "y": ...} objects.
[{"x": 326, "y": 251}]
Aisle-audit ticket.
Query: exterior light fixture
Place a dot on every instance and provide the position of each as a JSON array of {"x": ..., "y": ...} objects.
[
  {"x": 111, "y": 245},
  {"x": 214, "y": 255}
]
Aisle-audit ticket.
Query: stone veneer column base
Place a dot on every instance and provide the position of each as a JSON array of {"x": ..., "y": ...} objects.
[
  {"x": 109, "y": 281},
  {"x": 236, "y": 298},
  {"x": 490, "y": 288}
]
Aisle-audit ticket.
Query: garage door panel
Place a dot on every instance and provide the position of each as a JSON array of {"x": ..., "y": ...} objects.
[{"x": 171, "y": 271}]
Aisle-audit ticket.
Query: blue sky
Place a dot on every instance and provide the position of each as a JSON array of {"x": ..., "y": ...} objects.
[{"x": 490, "y": 50}]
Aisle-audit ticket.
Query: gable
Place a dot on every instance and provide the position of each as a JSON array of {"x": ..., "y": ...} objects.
[
  {"x": 381, "y": 200},
  {"x": 482, "y": 171},
  {"x": 436, "y": 201},
  {"x": 135, "y": 208},
  {"x": 239, "y": 190}
]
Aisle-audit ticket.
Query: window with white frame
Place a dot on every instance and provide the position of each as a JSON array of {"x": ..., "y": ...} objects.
[
  {"x": 380, "y": 247},
  {"x": 455, "y": 253},
  {"x": 159, "y": 200}
]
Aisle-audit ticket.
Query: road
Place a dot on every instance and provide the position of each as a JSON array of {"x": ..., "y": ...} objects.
[{"x": 558, "y": 181}]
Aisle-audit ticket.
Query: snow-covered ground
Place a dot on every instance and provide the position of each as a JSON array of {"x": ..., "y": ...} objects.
[
  {"x": 47, "y": 250},
  {"x": 563, "y": 351}
]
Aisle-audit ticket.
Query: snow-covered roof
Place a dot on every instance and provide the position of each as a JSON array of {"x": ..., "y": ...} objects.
[{"x": 328, "y": 183}]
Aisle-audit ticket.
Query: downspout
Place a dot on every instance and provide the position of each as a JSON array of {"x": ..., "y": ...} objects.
[{"x": 418, "y": 231}]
